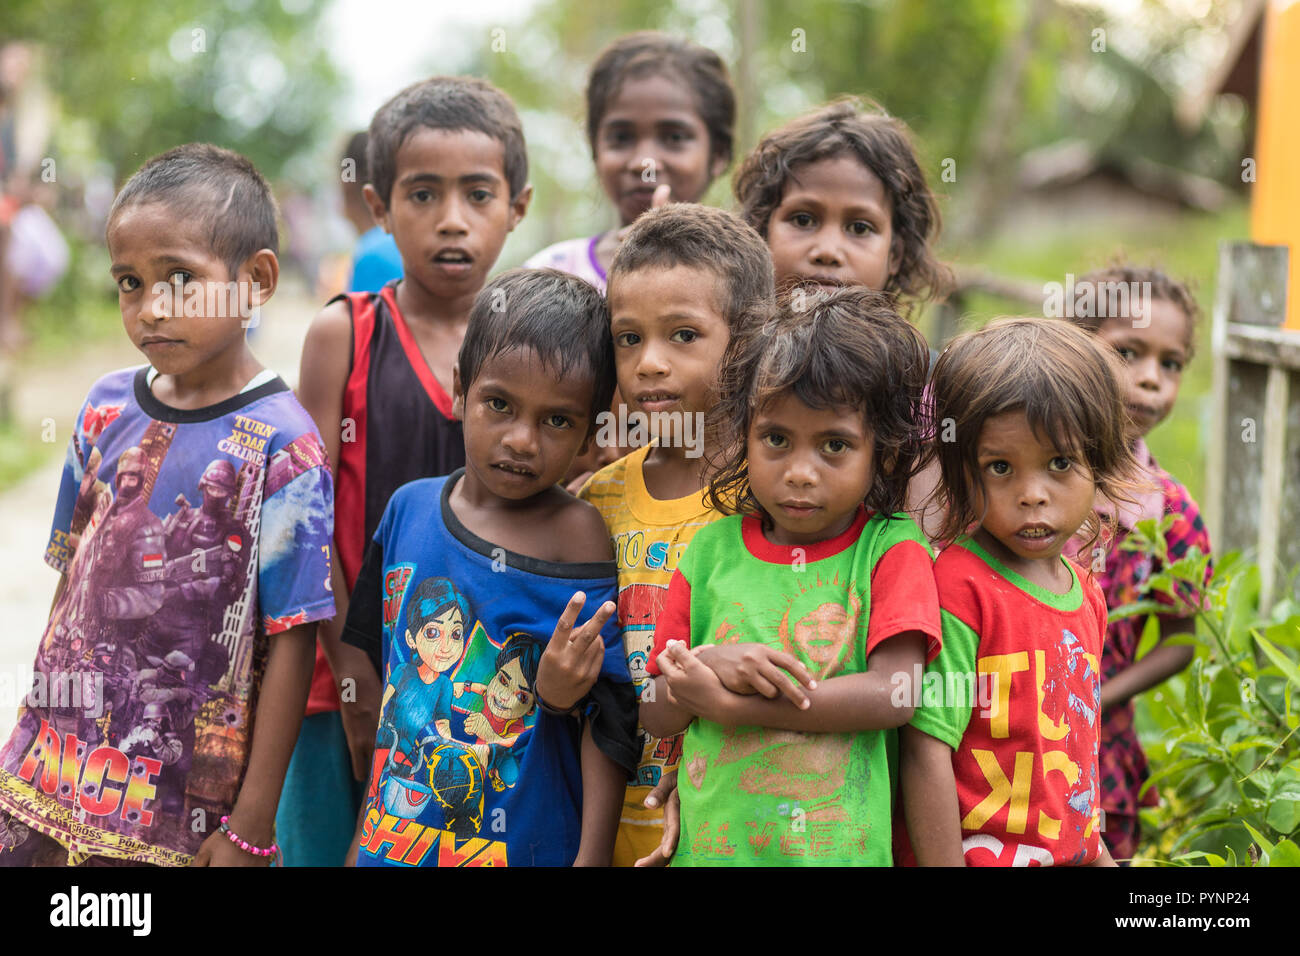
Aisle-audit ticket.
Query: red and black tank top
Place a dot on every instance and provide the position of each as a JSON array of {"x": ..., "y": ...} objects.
[{"x": 397, "y": 427}]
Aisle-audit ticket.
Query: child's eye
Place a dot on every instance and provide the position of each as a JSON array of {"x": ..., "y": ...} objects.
[
  {"x": 617, "y": 137},
  {"x": 180, "y": 277},
  {"x": 480, "y": 196},
  {"x": 1173, "y": 365},
  {"x": 1060, "y": 463},
  {"x": 998, "y": 468},
  {"x": 861, "y": 227},
  {"x": 627, "y": 339},
  {"x": 558, "y": 421},
  {"x": 422, "y": 195},
  {"x": 775, "y": 440},
  {"x": 675, "y": 138},
  {"x": 684, "y": 336},
  {"x": 128, "y": 284},
  {"x": 1126, "y": 353},
  {"x": 802, "y": 220},
  {"x": 835, "y": 446},
  {"x": 497, "y": 404}
]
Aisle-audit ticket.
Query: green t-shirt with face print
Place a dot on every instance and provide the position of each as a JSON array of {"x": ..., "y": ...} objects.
[{"x": 754, "y": 796}]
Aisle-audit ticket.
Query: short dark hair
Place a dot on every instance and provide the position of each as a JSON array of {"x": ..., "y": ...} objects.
[
  {"x": 1163, "y": 288},
  {"x": 863, "y": 130},
  {"x": 849, "y": 348},
  {"x": 355, "y": 150},
  {"x": 649, "y": 53},
  {"x": 451, "y": 103},
  {"x": 702, "y": 237},
  {"x": 562, "y": 318},
  {"x": 1067, "y": 384},
  {"x": 216, "y": 187}
]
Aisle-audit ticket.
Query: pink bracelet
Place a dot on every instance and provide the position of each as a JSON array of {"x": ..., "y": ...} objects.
[{"x": 272, "y": 851}]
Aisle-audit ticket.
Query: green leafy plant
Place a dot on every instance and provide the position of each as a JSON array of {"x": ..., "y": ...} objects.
[{"x": 1223, "y": 738}]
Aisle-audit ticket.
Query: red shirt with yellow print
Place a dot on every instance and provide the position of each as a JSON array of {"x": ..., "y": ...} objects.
[{"x": 1025, "y": 742}]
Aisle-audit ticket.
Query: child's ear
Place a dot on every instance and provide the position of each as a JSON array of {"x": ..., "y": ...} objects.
[
  {"x": 718, "y": 166},
  {"x": 378, "y": 208},
  {"x": 263, "y": 271},
  {"x": 519, "y": 206},
  {"x": 457, "y": 394}
]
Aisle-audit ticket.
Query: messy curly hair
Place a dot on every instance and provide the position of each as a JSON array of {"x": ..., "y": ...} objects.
[
  {"x": 863, "y": 130},
  {"x": 1065, "y": 381},
  {"x": 1164, "y": 288},
  {"x": 849, "y": 348}
]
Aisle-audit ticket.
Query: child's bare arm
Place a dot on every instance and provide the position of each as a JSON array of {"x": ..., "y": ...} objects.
[
  {"x": 758, "y": 669},
  {"x": 280, "y": 707},
  {"x": 929, "y": 794},
  {"x": 322, "y": 377},
  {"x": 1103, "y": 858},
  {"x": 661, "y": 716},
  {"x": 603, "y": 785},
  {"x": 866, "y": 701},
  {"x": 1161, "y": 663}
]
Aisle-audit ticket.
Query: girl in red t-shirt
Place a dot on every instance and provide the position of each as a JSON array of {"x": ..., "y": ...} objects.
[{"x": 1029, "y": 427}]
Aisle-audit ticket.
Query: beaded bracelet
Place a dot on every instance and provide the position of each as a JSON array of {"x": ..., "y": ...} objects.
[{"x": 272, "y": 851}]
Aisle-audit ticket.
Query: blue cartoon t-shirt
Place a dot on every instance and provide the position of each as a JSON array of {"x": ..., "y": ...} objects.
[{"x": 468, "y": 769}]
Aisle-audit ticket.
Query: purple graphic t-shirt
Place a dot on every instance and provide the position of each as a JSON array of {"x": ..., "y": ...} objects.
[{"x": 189, "y": 538}]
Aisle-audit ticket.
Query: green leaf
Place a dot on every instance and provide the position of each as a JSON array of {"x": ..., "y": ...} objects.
[
  {"x": 1258, "y": 837},
  {"x": 1150, "y": 636},
  {"x": 1285, "y": 853},
  {"x": 1283, "y": 815},
  {"x": 1280, "y": 660}
]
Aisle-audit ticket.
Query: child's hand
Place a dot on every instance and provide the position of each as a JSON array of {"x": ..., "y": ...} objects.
[
  {"x": 758, "y": 669},
  {"x": 571, "y": 661},
  {"x": 662, "y": 854},
  {"x": 217, "y": 850},
  {"x": 690, "y": 684},
  {"x": 663, "y": 192}
]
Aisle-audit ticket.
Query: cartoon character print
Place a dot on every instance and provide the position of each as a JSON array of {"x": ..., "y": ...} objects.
[
  {"x": 508, "y": 700},
  {"x": 416, "y": 708},
  {"x": 424, "y": 760},
  {"x": 1072, "y": 692}
]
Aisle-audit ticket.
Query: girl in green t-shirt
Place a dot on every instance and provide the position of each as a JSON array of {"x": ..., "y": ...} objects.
[{"x": 791, "y": 625}]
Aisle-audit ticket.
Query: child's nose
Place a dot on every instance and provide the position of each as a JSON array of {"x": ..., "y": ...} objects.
[
  {"x": 521, "y": 440},
  {"x": 453, "y": 219},
  {"x": 1033, "y": 492},
  {"x": 826, "y": 249},
  {"x": 799, "y": 472},
  {"x": 652, "y": 361}
]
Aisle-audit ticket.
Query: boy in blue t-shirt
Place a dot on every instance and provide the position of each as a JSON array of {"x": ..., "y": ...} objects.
[
  {"x": 192, "y": 533},
  {"x": 504, "y": 738},
  {"x": 376, "y": 260}
]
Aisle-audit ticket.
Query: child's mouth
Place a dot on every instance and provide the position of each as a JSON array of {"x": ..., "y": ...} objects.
[{"x": 518, "y": 470}]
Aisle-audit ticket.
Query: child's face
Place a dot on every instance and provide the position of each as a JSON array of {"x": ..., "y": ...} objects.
[
  {"x": 509, "y": 695},
  {"x": 1033, "y": 496},
  {"x": 523, "y": 424},
  {"x": 440, "y": 641},
  {"x": 669, "y": 337},
  {"x": 450, "y": 209},
  {"x": 833, "y": 226},
  {"x": 651, "y": 134},
  {"x": 1153, "y": 359},
  {"x": 809, "y": 468},
  {"x": 180, "y": 305}
]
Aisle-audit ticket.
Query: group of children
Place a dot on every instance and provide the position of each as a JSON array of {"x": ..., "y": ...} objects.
[{"x": 508, "y": 673}]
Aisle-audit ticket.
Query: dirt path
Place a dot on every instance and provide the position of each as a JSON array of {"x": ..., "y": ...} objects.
[{"x": 55, "y": 390}]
